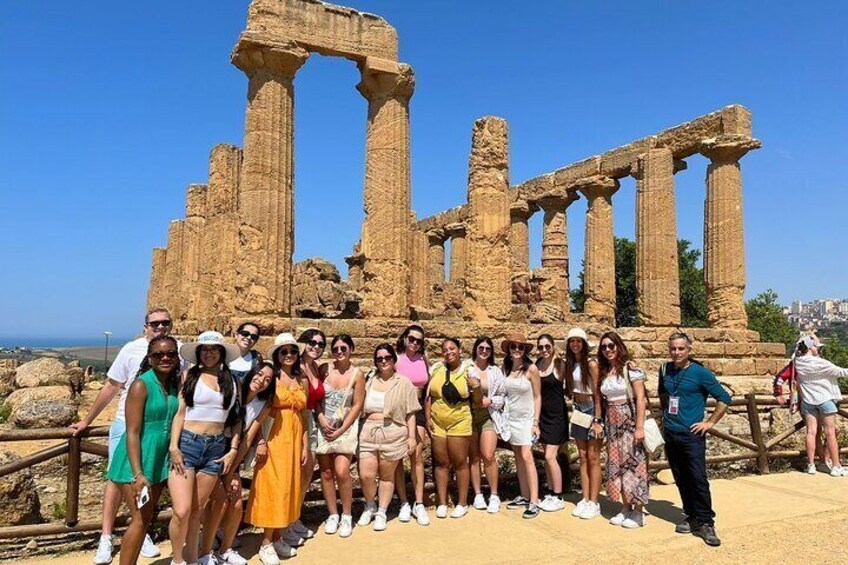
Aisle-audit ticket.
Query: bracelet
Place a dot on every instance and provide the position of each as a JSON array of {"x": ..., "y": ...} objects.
[
  {"x": 137, "y": 475},
  {"x": 597, "y": 420}
]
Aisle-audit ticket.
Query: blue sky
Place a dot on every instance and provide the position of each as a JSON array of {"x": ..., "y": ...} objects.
[{"x": 109, "y": 110}]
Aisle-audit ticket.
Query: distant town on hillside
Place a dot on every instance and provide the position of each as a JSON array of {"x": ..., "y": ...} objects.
[{"x": 817, "y": 314}]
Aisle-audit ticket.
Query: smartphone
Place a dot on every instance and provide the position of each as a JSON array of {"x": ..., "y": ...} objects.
[{"x": 143, "y": 497}]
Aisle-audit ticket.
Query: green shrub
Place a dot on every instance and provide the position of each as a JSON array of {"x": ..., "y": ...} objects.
[{"x": 5, "y": 412}]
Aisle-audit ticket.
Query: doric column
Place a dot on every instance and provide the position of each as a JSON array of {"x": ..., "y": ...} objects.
[
  {"x": 419, "y": 270},
  {"x": 599, "y": 258},
  {"x": 436, "y": 257},
  {"x": 555, "y": 251},
  {"x": 172, "y": 295},
  {"x": 519, "y": 236},
  {"x": 724, "y": 244},
  {"x": 266, "y": 189},
  {"x": 458, "y": 263},
  {"x": 157, "y": 278},
  {"x": 488, "y": 275},
  {"x": 387, "y": 86},
  {"x": 194, "y": 298},
  {"x": 657, "y": 271},
  {"x": 355, "y": 261}
]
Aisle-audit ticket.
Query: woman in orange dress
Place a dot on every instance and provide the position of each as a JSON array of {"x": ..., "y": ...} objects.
[{"x": 274, "y": 501}]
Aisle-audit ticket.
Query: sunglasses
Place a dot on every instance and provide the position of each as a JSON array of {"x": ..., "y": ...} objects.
[
  {"x": 246, "y": 334},
  {"x": 517, "y": 347},
  {"x": 483, "y": 348},
  {"x": 159, "y": 323},
  {"x": 545, "y": 347},
  {"x": 384, "y": 358},
  {"x": 315, "y": 343},
  {"x": 414, "y": 340},
  {"x": 159, "y": 355},
  {"x": 340, "y": 349},
  {"x": 609, "y": 346},
  {"x": 288, "y": 351}
]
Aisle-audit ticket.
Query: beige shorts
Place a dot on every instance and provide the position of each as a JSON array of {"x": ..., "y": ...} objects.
[{"x": 386, "y": 439}]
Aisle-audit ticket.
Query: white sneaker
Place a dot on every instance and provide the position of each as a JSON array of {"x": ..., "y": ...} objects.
[
  {"x": 380, "y": 521},
  {"x": 367, "y": 515},
  {"x": 268, "y": 555},
  {"x": 578, "y": 509},
  {"x": 104, "y": 551},
  {"x": 811, "y": 468},
  {"x": 148, "y": 548},
  {"x": 231, "y": 557},
  {"x": 590, "y": 510},
  {"x": 284, "y": 550},
  {"x": 634, "y": 520},
  {"x": 332, "y": 524},
  {"x": 405, "y": 513},
  {"x": 839, "y": 472},
  {"x": 459, "y": 511},
  {"x": 346, "y": 527},
  {"x": 479, "y": 501},
  {"x": 552, "y": 503},
  {"x": 292, "y": 538},
  {"x": 618, "y": 519},
  {"x": 420, "y": 513},
  {"x": 302, "y": 530},
  {"x": 441, "y": 511},
  {"x": 208, "y": 559},
  {"x": 494, "y": 504}
]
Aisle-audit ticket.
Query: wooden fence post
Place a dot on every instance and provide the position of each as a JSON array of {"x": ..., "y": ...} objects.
[
  {"x": 757, "y": 434},
  {"x": 72, "y": 495}
]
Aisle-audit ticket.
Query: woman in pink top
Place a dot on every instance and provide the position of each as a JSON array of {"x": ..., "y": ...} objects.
[{"x": 412, "y": 363}]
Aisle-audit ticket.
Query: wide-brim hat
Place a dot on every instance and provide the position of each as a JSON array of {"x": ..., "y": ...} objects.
[
  {"x": 516, "y": 337},
  {"x": 285, "y": 338},
  {"x": 188, "y": 351}
]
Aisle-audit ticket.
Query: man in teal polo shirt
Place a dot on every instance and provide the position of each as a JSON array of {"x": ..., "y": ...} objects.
[{"x": 685, "y": 385}]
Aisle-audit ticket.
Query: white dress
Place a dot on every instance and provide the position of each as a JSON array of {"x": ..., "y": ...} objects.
[{"x": 520, "y": 409}]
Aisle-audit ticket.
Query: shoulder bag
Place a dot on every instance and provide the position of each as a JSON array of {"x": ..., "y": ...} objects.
[
  {"x": 653, "y": 437},
  {"x": 347, "y": 442}
]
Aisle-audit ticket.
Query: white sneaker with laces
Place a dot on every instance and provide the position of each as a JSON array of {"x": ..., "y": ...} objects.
[
  {"x": 479, "y": 501},
  {"x": 332, "y": 524},
  {"x": 208, "y": 559},
  {"x": 811, "y": 468},
  {"x": 104, "y": 551},
  {"x": 380, "y": 521},
  {"x": 839, "y": 471},
  {"x": 302, "y": 530},
  {"x": 578, "y": 509},
  {"x": 268, "y": 555},
  {"x": 346, "y": 527},
  {"x": 148, "y": 548},
  {"x": 618, "y": 519},
  {"x": 284, "y": 550},
  {"x": 292, "y": 538},
  {"x": 367, "y": 515},
  {"x": 552, "y": 503},
  {"x": 590, "y": 510},
  {"x": 420, "y": 513},
  {"x": 634, "y": 520},
  {"x": 405, "y": 513},
  {"x": 231, "y": 557},
  {"x": 494, "y": 504},
  {"x": 441, "y": 511},
  {"x": 459, "y": 511}
]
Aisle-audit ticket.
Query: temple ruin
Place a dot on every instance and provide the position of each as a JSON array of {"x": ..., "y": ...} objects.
[{"x": 244, "y": 215}]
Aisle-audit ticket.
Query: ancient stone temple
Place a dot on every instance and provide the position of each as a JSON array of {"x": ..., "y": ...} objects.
[{"x": 244, "y": 215}]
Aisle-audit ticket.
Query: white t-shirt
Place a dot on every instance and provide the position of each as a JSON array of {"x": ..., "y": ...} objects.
[
  {"x": 242, "y": 364},
  {"x": 125, "y": 368}
]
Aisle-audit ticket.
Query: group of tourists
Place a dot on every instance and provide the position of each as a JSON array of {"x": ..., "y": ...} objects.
[{"x": 194, "y": 415}]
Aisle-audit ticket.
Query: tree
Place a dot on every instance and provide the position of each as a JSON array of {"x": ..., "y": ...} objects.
[
  {"x": 693, "y": 289},
  {"x": 765, "y": 316}
]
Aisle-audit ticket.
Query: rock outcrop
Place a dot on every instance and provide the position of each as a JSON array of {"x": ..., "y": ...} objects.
[
  {"x": 319, "y": 292},
  {"x": 45, "y": 371},
  {"x": 18, "y": 497},
  {"x": 44, "y": 414}
]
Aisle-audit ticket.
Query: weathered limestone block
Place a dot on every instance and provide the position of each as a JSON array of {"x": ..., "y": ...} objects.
[
  {"x": 436, "y": 257},
  {"x": 319, "y": 292},
  {"x": 196, "y": 200},
  {"x": 419, "y": 272},
  {"x": 224, "y": 171},
  {"x": 599, "y": 258},
  {"x": 156, "y": 292},
  {"x": 32, "y": 394},
  {"x": 724, "y": 244},
  {"x": 657, "y": 272},
  {"x": 554, "y": 272},
  {"x": 193, "y": 290},
  {"x": 489, "y": 273},
  {"x": 42, "y": 372},
  {"x": 355, "y": 261},
  {"x": 519, "y": 236},
  {"x": 458, "y": 252},
  {"x": 173, "y": 298},
  {"x": 266, "y": 187},
  {"x": 44, "y": 414},
  {"x": 18, "y": 496}
]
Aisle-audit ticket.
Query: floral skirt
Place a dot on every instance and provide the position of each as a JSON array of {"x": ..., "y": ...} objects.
[{"x": 627, "y": 464}]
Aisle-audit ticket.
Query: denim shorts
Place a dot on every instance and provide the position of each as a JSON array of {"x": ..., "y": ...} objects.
[
  {"x": 579, "y": 432},
  {"x": 824, "y": 409},
  {"x": 116, "y": 432},
  {"x": 200, "y": 452}
]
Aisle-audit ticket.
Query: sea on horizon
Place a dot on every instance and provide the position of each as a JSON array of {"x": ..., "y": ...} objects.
[{"x": 59, "y": 342}]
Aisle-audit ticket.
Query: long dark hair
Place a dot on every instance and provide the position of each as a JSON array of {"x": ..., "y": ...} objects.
[
  {"x": 559, "y": 365},
  {"x": 571, "y": 362},
  {"x": 400, "y": 346},
  {"x": 488, "y": 341},
  {"x": 173, "y": 381},
  {"x": 525, "y": 361},
  {"x": 225, "y": 380},
  {"x": 621, "y": 359}
]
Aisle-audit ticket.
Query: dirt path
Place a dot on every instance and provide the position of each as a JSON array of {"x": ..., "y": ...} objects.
[{"x": 786, "y": 518}]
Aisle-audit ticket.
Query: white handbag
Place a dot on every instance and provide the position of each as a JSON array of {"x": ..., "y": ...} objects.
[{"x": 653, "y": 436}]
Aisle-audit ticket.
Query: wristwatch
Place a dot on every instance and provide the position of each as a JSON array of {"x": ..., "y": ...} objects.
[{"x": 597, "y": 421}]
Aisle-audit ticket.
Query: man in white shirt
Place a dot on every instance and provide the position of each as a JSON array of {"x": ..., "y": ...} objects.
[{"x": 120, "y": 376}]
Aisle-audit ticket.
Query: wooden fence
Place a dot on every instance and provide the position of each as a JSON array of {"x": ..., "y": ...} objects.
[{"x": 757, "y": 448}]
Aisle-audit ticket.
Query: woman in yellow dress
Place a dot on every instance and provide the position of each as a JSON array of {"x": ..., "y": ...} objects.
[{"x": 274, "y": 502}]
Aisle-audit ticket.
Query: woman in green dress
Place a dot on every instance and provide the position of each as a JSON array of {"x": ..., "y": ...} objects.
[{"x": 141, "y": 462}]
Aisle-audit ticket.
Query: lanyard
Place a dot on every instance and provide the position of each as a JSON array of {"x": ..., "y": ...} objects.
[{"x": 678, "y": 380}]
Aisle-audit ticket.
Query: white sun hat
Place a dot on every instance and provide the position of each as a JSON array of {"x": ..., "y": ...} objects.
[
  {"x": 282, "y": 339},
  {"x": 579, "y": 333},
  {"x": 188, "y": 351}
]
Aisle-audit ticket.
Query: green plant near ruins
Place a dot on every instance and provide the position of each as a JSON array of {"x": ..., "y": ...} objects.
[
  {"x": 765, "y": 316},
  {"x": 5, "y": 412}
]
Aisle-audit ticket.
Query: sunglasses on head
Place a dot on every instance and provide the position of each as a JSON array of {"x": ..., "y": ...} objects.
[
  {"x": 609, "y": 346},
  {"x": 159, "y": 355},
  {"x": 315, "y": 343},
  {"x": 517, "y": 347},
  {"x": 159, "y": 323},
  {"x": 383, "y": 358},
  {"x": 248, "y": 335},
  {"x": 414, "y": 340},
  {"x": 340, "y": 349}
]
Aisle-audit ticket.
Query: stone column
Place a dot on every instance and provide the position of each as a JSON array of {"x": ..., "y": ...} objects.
[
  {"x": 355, "y": 261},
  {"x": 419, "y": 270},
  {"x": 266, "y": 188},
  {"x": 436, "y": 257},
  {"x": 172, "y": 295},
  {"x": 657, "y": 271},
  {"x": 519, "y": 236},
  {"x": 193, "y": 296},
  {"x": 488, "y": 275},
  {"x": 157, "y": 278},
  {"x": 387, "y": 86},
  {"x": 599, "y": 258},
  {"x": 459, "y": 259},
  {"x": 724, "y": 244},
  {"x": 555, "y": 251}
]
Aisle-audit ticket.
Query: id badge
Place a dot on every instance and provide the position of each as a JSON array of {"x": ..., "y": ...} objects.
[{"x": 673, "y": 404}]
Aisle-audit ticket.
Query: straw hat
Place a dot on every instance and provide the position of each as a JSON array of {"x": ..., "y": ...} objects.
[
  {"x": 516, "y": 337},
  {"x": 188, "y": 351},
  {"x": 282, "y": 339}
]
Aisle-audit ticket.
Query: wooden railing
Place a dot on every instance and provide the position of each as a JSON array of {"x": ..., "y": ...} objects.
[{"x": 757, "y": 448}]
